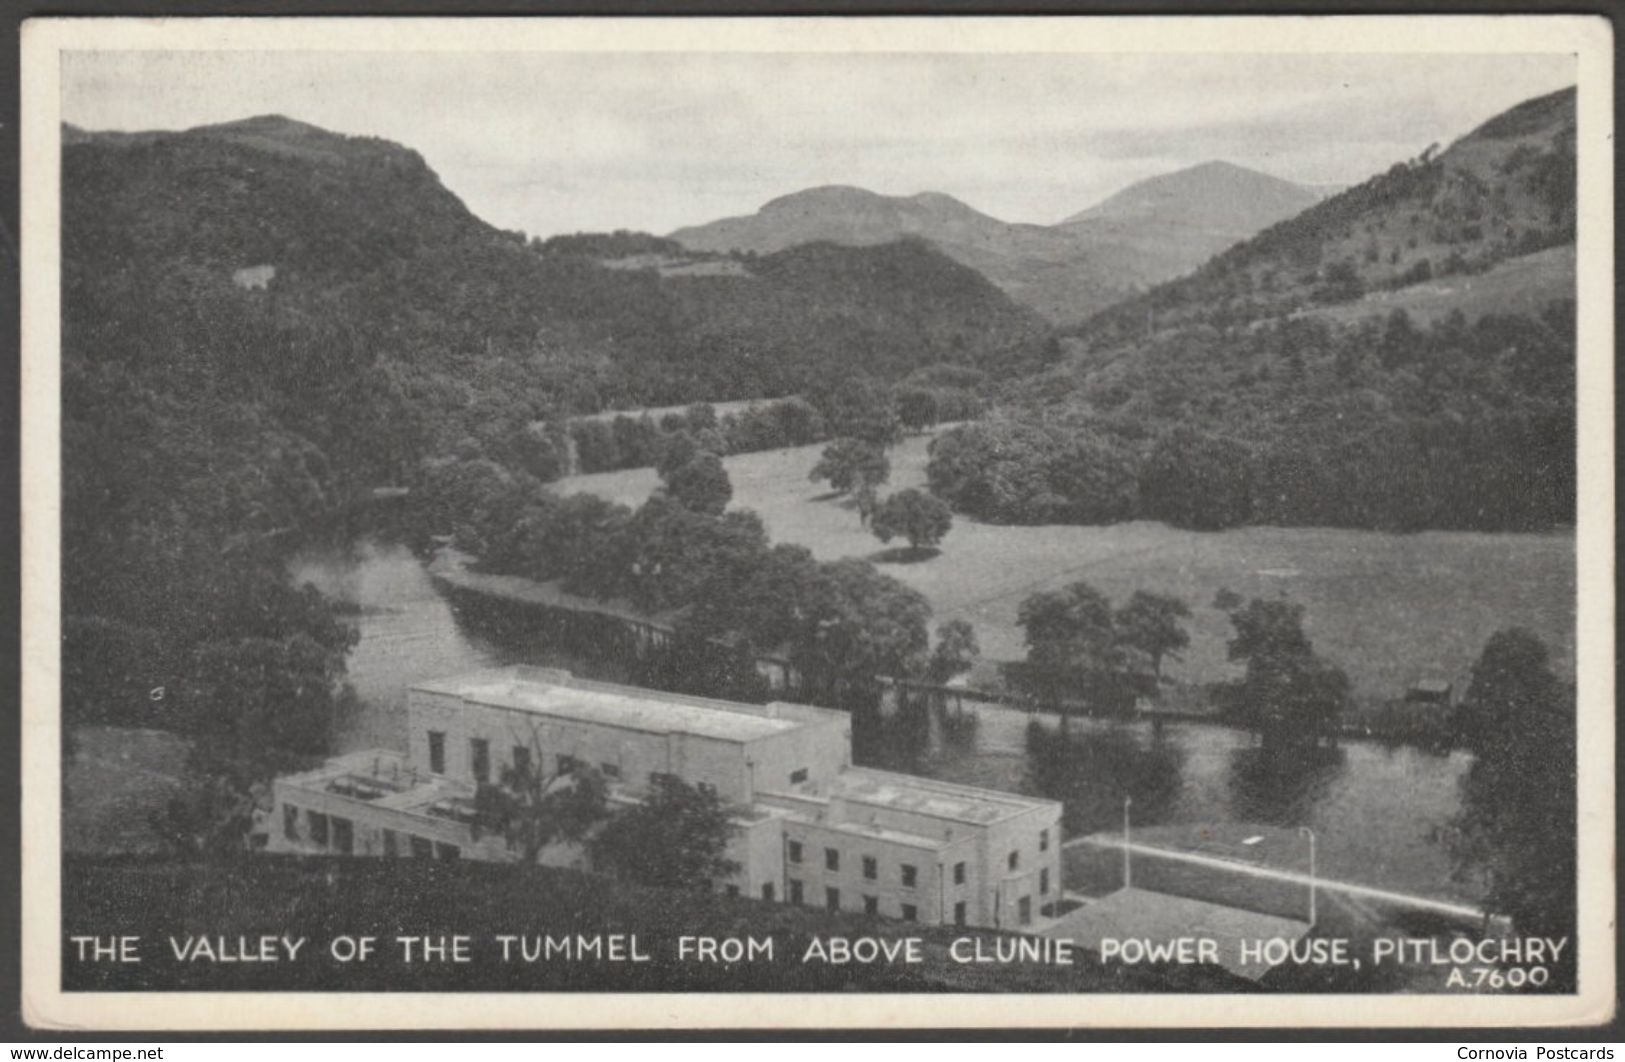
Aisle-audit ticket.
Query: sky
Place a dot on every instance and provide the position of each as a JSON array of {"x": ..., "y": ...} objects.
[{"x": 559, "y": 142}]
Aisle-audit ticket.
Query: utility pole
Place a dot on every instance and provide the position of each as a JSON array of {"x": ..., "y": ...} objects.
[
  {"x": 1128, "y": 877},
  {"x": 1307, "y": 832}
]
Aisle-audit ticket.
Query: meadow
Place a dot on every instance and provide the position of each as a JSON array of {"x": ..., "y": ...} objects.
[
  {"x": 1517, "y": 285},
  {"x": 1389, "y": 608}
]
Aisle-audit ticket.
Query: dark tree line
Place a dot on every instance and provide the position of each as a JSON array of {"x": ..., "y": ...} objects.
[{"x": 1299, "y": 423}]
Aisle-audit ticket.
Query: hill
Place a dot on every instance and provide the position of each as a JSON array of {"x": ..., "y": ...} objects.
[
  {"x": 1166, "y": 226},
  {"x": 1505, "y": 190},
  {"x": 1399, "y": 356},
  {"x": 1147, "y": 233},
  {"x": 264, "y": 319},
  {"x": 1040, "y": 267}
]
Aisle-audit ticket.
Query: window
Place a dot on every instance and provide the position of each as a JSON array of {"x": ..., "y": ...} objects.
[
  {"x": 437, "y": 752},
  {"x": 732, "y": 890},
  {"x": 767, "y": 892},
  {"x": 290, "y": 822},
  {"x": 1015, "y": 860},
  {"x": 795, "y": 891},
  {"x": 446, "y": 852},
  {"x": 910, "y": 912},
  {"x": 392, "y": 844},
  {"x": 832, "y": 859},
  {"x": 521, "y": 760},
  {"x": 832, "y": 899},
  {"x": 871, "y": 905},
  {"x": 959, "y": 873},
  {"x": 798, "y": 775},
  {"x": 871, "y": 868},
  {"x": 479, "y": 759},
  {"x": 422, "y": 849},
  {"x": 1024, "y": 910},
  {"x": 911, "y": 876},
  {"x": 610, "y": 770},
  {"x": 318, "y": 828},
  {"x": 1043, "y": 840},
  {"x": 959, "y": 913},
  {"x": 343, "y": 836},
  {"x": 568, "y": 764},
  {"x": 1043, "y": 880},
  {"x": 795, "y": 851}
]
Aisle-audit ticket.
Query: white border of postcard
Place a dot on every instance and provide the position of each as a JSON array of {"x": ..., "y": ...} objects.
[{"x": 1589, "y": 38}]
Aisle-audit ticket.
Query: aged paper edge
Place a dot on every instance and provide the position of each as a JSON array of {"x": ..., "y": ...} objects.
[{"x": 44, "y": 1004}]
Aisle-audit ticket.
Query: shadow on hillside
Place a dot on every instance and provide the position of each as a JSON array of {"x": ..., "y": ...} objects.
[{"x": 904, "y": 555}]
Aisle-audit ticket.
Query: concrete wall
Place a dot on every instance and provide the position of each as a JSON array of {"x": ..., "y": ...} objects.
[
  {"x": 758, "y": 848},
  {"x": 626, "y": 756},
  {"x": 822, "y": 749},
  {"x": 1024, "y": 834},
  {"x": 886, "y": 887},
  {"x": 368, "y": 823}
]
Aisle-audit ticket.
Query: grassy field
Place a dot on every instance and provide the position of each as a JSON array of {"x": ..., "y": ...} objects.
[
  {"x": 1518, "y": 285},
  {"x": 1389, "y": 608}
]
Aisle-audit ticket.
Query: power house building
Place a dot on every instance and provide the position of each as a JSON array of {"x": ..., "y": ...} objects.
[{"x": 810, "y": 827}]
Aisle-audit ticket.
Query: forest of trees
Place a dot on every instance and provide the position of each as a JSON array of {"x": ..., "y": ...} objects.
[
  {"x": 1381, "y": 424},
  {"x": 841, "y": 624}
]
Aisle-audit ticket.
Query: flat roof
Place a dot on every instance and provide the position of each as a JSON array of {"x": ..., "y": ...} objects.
[
  {"x": 558, "y": 694},
  {"x": 928, "y": 796},
  {"x": 1160, "y": 918},
  {"x": 874, "y": 830}
]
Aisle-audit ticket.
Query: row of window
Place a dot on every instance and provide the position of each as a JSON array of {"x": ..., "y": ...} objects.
[
  {"x": 479, "y": 759},
  {"x": 871, "y": 904},
  {"x": 767, "y": 891},
  {"x": 338, "y": 834},
  {"x": 909, "y": 874}
]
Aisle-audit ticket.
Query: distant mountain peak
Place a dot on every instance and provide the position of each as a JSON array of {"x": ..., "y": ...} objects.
[
  {"x": 1204, "y": 192},
  {"x": 1147, "y": 233}
]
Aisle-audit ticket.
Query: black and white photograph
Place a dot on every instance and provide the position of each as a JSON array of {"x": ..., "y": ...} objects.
[{"x": 898, "y": 519}]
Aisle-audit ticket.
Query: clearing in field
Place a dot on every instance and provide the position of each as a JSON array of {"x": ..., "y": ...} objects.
[{"x": 1388, "y": 608}]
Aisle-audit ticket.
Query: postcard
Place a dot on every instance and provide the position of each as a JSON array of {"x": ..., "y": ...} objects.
[{"x": 818, "y": 522}]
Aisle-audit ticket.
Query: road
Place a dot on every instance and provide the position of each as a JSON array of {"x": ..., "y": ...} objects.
[{"x": 1349, "y": 888}]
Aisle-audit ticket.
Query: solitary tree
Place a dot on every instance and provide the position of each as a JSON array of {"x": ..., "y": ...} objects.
[
  {"x": 676, "y": 838},
  {"x": 533, "y": 810},
  {"x": 921, "y": 518},
  {"x": 1151, "y": 624},
  {"x": 865, "y": 501},
  {"x": 1517, "y": 827},
  {"x": 1289, "y": 696},
  {"x": 847, "y": 462},
  {"x": 701, "y": 485},
  {"x": 955, "y": 653},
  {"x": 1072, "y": 647},
  {"x": 676, "y": 450}
]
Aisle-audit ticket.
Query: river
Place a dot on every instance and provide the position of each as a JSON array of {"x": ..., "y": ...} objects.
[{"x": 1377, "y": 811}]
